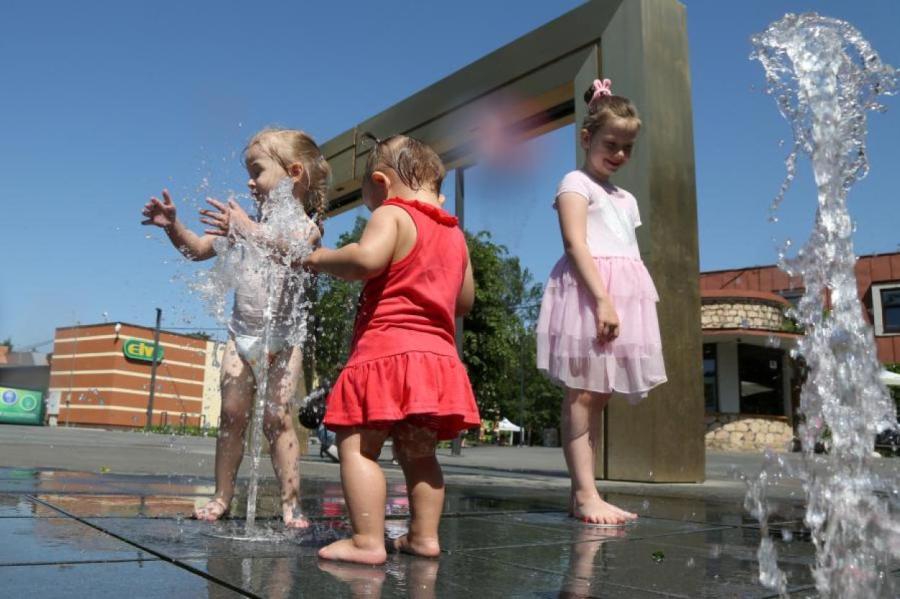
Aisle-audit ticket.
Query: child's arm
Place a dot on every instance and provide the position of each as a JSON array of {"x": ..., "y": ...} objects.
[
  {"x": 163, "y": 215},
  {"x": 572, "y": 208},
  {"x": 466, "y": 298},
  {"x": 367, "y": 258},
  {"x": 231, "y": 218}
]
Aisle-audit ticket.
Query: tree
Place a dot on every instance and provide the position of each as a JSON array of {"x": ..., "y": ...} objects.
[
  {"x": 499, "y": 339},
  {"x": 7, "y": 342},
  {"x": 332, "y": 315}
]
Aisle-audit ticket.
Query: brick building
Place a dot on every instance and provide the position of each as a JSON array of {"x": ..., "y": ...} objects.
[
  {"x": 100, "y": 376},
  {"x": 751, "y": 383}
]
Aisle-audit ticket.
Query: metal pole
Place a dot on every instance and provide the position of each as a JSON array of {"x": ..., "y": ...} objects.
[
  {"x": 72, "y": 371},
  {"x": 456, "y": 445},
  {"x": 522, "y": 393},
  {"x": 153, "y": 371}
]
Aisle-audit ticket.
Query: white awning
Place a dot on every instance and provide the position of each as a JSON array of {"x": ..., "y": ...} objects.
[
  {"x": 507, "y": 426},
  {"x": 891, "y": 379}
]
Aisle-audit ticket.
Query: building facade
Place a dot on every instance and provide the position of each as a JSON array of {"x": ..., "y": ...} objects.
[
  {"x": 100, "y": 376},
  {"x": 751, "y": 382}
]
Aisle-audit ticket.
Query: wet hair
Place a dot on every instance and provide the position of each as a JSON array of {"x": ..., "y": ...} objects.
[
  {"x": 287, "y": 146},
  {"x": 606, "y": 107},
  {"x": 417, "y": 165}
]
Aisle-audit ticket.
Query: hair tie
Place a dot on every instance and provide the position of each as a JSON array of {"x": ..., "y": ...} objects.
[{"x": 601, "y": 89}]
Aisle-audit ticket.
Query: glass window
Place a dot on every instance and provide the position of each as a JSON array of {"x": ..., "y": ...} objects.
[
  {"x": 890, "y": 310},
  {"x": 792, "y": 295},
  {"x": 710, "y": 380},
  {"x": 761, "y": 380}
]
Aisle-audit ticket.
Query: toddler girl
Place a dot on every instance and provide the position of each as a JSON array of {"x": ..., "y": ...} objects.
[
  {"x": 403, "y": 377},
  {"x": 288, "y": 180}
]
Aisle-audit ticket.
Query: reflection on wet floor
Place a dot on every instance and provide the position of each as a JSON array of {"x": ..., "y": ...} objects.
[{"x": 59, "y": 527}]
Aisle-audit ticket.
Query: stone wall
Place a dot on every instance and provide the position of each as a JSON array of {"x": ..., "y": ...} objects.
[
  {"x": 747, "y": 432},
  {"x": 741, "y": 314}
]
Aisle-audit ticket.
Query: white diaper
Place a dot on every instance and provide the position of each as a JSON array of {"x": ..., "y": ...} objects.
[{"x": 252, "y": 349}]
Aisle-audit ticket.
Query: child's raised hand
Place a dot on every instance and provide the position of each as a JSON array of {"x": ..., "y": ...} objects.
[
  {"x": 227, "y": 218},
  {"x": 160, "y": 214},
  {"x": 607, "y": 321}
]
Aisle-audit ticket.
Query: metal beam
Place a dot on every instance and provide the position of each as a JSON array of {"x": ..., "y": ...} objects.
[{"x": 531, "y": 78}]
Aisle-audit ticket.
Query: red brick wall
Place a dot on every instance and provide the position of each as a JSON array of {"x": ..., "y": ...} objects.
[
  {"x": 99, "y": 386},
  {"x": 877, "y": 268}
]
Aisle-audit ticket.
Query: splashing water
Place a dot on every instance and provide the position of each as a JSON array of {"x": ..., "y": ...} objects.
[
  {"x": 825, "y": 77},
  {"x": 270, "y": 305}
]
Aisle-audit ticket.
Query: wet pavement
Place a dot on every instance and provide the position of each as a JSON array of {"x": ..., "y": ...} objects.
[{"x": 72, "y": 534}]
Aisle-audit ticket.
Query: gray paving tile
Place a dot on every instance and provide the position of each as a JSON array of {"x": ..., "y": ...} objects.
[
  {"x": 645, "y": 527},
  {"x": 185, "y": 538},
  {"x": 45, "y": 540},
  {"x": 149, "y": 579},
  {"x": 116, "y": 505},
  {"x": 712, "y": 563},
  {"x": 16, "y": 505},
  {"x": 454, "y": 575},
  {"x": 696, "y": 510}
]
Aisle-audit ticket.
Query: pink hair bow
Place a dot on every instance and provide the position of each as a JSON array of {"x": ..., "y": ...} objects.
[{"x": 601, "y": 88}]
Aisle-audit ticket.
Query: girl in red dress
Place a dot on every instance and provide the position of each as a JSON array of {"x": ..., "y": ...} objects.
[{"x": 403, "y": 378}]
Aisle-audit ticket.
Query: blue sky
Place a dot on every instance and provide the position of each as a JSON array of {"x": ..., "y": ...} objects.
[{"x": 105, "y": 103}]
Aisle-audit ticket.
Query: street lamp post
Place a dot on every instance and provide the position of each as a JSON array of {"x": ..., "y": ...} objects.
[{"x": 153, "y": 371}]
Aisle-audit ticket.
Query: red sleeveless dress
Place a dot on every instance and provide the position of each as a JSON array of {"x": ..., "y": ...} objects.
[{"x": 403, "y": 361}]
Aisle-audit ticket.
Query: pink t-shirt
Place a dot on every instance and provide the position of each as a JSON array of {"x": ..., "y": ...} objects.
[{"x": 611, "y": 218}]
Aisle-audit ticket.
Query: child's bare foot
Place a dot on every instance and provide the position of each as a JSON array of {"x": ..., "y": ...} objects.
[
  {"x": 293, "y": 517},
  {"x": 594, "y": 510},
  {"x": 346, "y": 550},
  {"x": 214, "y": 509},
  {"x": 420, "y": 547}
]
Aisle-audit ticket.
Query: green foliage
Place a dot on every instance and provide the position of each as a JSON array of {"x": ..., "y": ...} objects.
[
  {"x": 7, "y": 342},
  {"x": 789, "y": 325},
  {"x": 499, "y": 341},
  {"x": 332, "y": 315},
  {"x": 187, "y": 431}
]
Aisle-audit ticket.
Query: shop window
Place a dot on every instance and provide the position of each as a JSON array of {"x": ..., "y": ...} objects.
[
  {"x": 761, "y": 380},
  {"x": 792, "y": 295},
  {"x": 710, "y": 378},
  {"x": 887, "y": 309}
]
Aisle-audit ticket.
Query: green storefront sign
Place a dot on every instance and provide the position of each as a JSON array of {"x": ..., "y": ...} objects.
[
  {"x": 138, "y": 349},
  {"x": 21, "y": 406}
]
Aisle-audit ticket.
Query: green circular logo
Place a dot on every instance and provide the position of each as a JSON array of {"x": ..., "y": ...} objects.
[{"x": 28, "y": 403}]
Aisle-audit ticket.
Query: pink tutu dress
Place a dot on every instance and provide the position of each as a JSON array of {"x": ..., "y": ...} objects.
[{"x": 567, "y": 347}]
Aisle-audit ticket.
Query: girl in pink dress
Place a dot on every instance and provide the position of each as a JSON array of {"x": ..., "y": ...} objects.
[{"x": 597, "y": 333}]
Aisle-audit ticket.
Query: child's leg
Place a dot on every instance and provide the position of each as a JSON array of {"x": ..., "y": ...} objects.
[
  {"x": 425, "y": 485},
  {"x": 284, "y": 372},
  {"x": 580, "y": 420},
  {"x": 237, "y": 387},
  {"x": 365, "y": 493}
]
